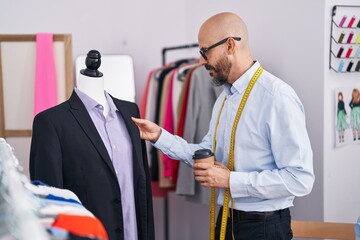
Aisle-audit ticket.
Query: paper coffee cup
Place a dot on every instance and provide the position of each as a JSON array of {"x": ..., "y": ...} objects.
[{"x": 204, "y": 155}]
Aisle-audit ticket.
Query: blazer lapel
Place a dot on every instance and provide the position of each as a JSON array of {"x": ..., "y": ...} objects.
[
  {"x": 133, "y": 132},
  {"x": 79, "y": 111}
]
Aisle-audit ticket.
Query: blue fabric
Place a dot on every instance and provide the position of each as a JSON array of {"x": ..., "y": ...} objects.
[
  {"x": 53, "y": 197},
  {"x": 46, "y": 202},
  {"x": 39, "y": 183},
  {"x": 357, "y": 229},
  {"x": 57, "y": 233},
  {"x": 273, "y": 156}
]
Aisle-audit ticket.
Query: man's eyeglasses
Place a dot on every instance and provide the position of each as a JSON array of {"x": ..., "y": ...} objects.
[{"x": 204, "y": 50}]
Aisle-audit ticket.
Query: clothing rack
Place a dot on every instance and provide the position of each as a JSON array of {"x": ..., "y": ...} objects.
[
  {"x": 164, "y": 50},
  {"x": 166, "y": 204}
]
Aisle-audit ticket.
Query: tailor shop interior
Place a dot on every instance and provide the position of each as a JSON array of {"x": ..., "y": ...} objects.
[{"x": 72, "y": 161}]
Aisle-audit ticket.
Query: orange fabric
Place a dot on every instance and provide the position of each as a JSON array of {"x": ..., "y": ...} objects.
[{"x": 81, "y": 225}]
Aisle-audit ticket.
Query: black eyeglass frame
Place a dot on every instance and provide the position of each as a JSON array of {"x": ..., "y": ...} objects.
[{"x": 204, "y": 50}]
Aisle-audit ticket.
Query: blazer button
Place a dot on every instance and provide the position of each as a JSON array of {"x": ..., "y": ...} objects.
[
  {"x": 117, "y": 201},
  {"x": 118, "y": 230}
]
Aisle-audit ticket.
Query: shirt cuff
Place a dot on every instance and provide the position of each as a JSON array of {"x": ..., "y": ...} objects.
[
  {"x": 165, "y": 141},
  {"x": 239, "y": 183}
]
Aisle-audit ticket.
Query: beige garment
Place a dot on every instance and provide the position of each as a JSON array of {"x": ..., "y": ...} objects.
[
  {"x": 182, "y": 95},
  {"x": 150, "y": 107}
]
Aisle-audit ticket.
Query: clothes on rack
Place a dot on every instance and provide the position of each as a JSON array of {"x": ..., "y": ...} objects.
[
  {"x": 179, "y": 97},
  {"x": 201, "y": 97},
  {"x": 18, "y": 219},
  {"x": 62, "y": 209},
  {"x": 34, "y": 210}
]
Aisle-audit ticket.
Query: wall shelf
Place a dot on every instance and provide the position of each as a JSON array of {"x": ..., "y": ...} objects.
[{"x": 345, "y": 39}]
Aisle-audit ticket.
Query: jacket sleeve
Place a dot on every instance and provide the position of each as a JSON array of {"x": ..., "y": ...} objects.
[{"x": 45, "y": 152}]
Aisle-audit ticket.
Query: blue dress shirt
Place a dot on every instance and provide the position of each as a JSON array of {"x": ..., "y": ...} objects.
[{"x": 273, "y": 159}]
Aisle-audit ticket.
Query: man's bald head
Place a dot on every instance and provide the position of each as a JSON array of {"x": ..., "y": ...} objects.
[
  {"x": 232, "y": 58},
  {"x": 223, "y": 25}
]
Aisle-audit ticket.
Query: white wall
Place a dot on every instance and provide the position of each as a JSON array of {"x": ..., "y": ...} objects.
[
  {"x": 287, "y": 37},
  {"x": 135, "y": 27},
  {"x": 341, "y": 165}
]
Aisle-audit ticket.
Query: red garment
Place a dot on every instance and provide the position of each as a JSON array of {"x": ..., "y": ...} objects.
[{"x": 81, "y": 225}]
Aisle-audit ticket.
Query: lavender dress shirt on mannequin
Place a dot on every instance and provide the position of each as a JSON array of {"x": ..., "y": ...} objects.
[{"x": 117, "y": 141}]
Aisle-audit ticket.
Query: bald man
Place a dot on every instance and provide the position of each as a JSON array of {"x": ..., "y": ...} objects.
[{"x": 257, "y": 132}]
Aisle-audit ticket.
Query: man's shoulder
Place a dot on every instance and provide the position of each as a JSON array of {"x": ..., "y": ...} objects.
[{"x": 274, "y": 85}]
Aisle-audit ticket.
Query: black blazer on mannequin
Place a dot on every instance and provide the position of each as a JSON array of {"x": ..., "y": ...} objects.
[{"x": 67, "y": 152}]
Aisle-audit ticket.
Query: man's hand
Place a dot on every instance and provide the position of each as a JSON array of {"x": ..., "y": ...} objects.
[
  {"x": 148, "y": 130},
  {"x": 209, "y": 175}
]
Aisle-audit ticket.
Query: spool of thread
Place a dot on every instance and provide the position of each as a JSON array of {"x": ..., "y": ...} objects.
[
  {"x": 349, "y": 66},
  {"x": 341, "y": 37},
  {"x": 341, "y": 65},
  {"x": 357, "y": 41},
  {"x": 342, "y": 21},
  {"x": 357, "y": 54},
  {"x": 348, "y": 53},
  {"x": 352, "y": 20},
  {"x": 350, "y": 37},
  {"x": 341, "y": 49},
  {"x": 357, "y": 68}
]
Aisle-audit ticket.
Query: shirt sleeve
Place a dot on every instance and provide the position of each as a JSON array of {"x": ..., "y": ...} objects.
[{"x": 177, "y": 148}]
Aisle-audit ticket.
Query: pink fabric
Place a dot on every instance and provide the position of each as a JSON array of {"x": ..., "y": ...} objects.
[
  {"x": 169, "y": 125},
  {"x": 45, "y": 73}
]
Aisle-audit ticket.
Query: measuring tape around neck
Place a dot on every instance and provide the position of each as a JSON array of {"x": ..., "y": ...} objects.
[{"x": 231, "y": 159}]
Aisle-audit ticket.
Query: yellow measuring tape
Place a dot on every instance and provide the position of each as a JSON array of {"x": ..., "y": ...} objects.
[{"x": 231, "y": 159}]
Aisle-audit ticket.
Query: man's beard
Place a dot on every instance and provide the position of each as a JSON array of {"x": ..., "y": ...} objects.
[{"x": 220, "y": 72}]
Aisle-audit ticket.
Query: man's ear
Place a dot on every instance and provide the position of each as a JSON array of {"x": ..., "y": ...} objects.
[{"x": 230, "y": 46}]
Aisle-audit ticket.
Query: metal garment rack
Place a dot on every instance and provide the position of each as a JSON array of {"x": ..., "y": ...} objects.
[
  {"x": 166, "y": 204},
  {"x": 164, "y": 50}
]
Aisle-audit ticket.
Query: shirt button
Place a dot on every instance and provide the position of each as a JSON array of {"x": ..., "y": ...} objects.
[{"x": 114, "y": 146}]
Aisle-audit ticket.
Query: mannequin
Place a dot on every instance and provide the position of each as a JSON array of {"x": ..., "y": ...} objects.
[
  {"x": 91, "y": 81},
  {"x": 74, "y": 147}
]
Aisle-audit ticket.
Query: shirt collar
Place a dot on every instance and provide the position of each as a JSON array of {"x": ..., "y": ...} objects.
[
  {"x": 90, "y": 103},
  {"x": 241, "y": 83},
  {"x": 112, "y": 105}
]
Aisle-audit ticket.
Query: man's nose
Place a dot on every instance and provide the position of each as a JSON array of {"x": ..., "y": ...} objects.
[{"x": 202, "y": 61}]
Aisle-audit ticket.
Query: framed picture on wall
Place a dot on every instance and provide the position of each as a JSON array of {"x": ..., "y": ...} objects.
[{"x": 347, "y": 116}]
